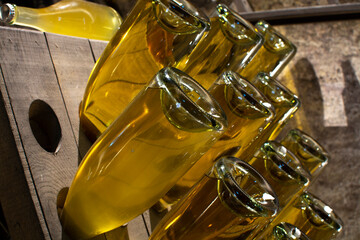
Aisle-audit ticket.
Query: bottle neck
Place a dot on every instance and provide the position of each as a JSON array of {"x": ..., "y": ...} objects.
[{"x": 16, "y": 15}]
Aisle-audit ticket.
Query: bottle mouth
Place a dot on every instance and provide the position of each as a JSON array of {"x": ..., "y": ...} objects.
[
  {"x": 243, "y": 190},
  {"x": 180, "y": 17},
  {"x": 320, "y": 214},
  {"x": 276, "y": 92},
  {"x": 283, "y": 165},
  {"x": 311, "y": 150},
  {"x": 287, "y": 231},
  {"x": 244, "y": 99},
  {"x": 274, "y": 41},
  {"x": 236, "y": 28},
  {"x": 7, "y": 13},
  {"x": 187, "y": 105}
]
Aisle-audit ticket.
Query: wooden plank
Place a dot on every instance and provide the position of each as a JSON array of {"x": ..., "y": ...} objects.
[
  {"x": 73, "y": 61},
  {"x": 29, "y": 75},
  {"x": 97, "y": 47},
  {"x": 16, "y": 200}
]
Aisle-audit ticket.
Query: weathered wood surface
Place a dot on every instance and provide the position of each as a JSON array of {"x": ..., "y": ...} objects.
[{"x": 54, "y": 69}]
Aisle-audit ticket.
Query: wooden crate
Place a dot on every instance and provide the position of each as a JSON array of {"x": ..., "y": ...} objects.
[{"x": 54, "y": 69}]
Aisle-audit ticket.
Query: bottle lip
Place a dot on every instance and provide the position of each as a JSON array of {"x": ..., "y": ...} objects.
[
  {"x": 245, "y": 90},
  {"x": 184, "y": 10},
  {"x": 275, "y": 91},
  {"x": 264, "y": 27},
  {"x": 285, "y": 230},
  {"x": 7, "y": 13},
  {"x": 228, "y": 169},
  {"x": 309, "y": 145},
  {"x": 317, "y": 209},
  {"x": 238, "y": 28},
  {"x": 178, "y": 86},
  {"x": 286, "y": 162}
]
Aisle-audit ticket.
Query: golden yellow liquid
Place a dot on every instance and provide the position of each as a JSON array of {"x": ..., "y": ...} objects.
[
  {"x": 286, "y": 184},
  {"x": 313, "y": 223},
  {"x": 202, "y": 215},
  {"x": 71, "y": 17},
  {"x": 273, "y": 56},
  {"x": 229, "y": 45},
  {"x": 246, "y": 118},
  {"x": 133, "y": 164},
  {"x": 144, "y": 44},
  {"x": 285, "y": 104},
  {"x": 311, "y": 154}
]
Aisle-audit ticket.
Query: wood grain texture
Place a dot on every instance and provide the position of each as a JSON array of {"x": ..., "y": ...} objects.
[
  {"x": 16, "y": 194},
  {"x": 54, "y": 69},
  {"x": 29, "y": 75}
]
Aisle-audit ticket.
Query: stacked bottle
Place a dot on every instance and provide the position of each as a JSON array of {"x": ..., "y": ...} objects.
[{"x": 185, "y": 112}]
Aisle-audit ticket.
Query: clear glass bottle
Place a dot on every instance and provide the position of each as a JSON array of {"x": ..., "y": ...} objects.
[
  {"x": 311, "y": 154},
  {"x": 68, "y": 17},
  {"x": 285, "y": 103},
  {"x": 161, "y": 134},
  {"x": 229, "y": 45},
  {"x": 247, "y": 111},
  {"x": 274, "y": 55},
  {"x": 232, "y": 193},
  {"x": 282, "y": 170},
  {"x": 154, "y": 35},
  {"x": 311, "y": 215}
]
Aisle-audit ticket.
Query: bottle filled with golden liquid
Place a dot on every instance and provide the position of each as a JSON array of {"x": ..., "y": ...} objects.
[
  {"x": 282, "y": 170},
  {"x": 311, "y": 154},
  {"x": 247, "y": 111},
  {"x": 160, "y": 135},
  {"x": 286, "y": 231},
  {"x": 78, "y": 18},
  {"x": 155, "y": 34},
  {"x": 274, "y": 55},
  {"x": 229, "y": 45},
  {"x": 232, "y": 193},
  {"x": 285, "y": 103},
  {"x": 311, "y": 215}
]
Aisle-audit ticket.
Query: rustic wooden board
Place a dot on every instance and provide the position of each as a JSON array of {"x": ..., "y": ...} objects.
[
  {"x": 16, "y": 186},
  {"x": 54, "y": 69}
]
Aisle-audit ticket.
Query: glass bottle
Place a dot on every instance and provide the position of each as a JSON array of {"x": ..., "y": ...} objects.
[
  {"x": 229, "y": 45},
  {"x": 311, "y": 215},
  {"x": 160, "y": 135},
  {"x": 155, "y": 34},
  {"x": 282, "y": 170},
  {"x": 232, "y": 193},
  {"x": 310, "y": 153},
  {"x": 274, "y": 55},
  {"x": 247, "y": 111},
  {"x": 285, "y": 103},
  {"x": 68, "y": 17}
]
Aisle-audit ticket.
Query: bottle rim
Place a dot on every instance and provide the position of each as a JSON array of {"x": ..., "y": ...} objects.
[
  {"x": 286, "y": 162},
  {"x": 307, "y": 142},
  {"x": 316, "y": 208},
  {"x": 187, "y": 12},
  {"x": 266, "y": 84},
  {"x": 285, "y": 230},
  {"x": 249, "y": 93},
  {"x": 264, "y": 27},
  {"x": 236, "y": 26},
  {"x": 177, "y": 85},
  {"x": 7, "y": 13},
  {"x": 227, "y": 169}
]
